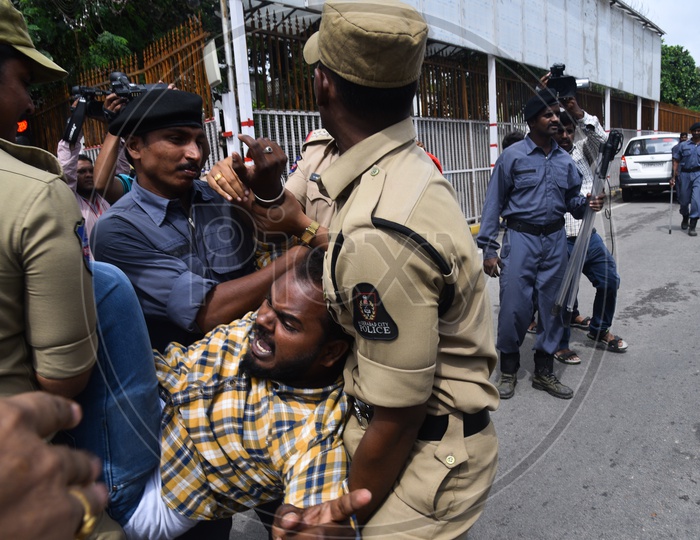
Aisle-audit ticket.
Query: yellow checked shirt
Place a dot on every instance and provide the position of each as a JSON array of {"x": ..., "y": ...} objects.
[{"x": 230, "y": 442}]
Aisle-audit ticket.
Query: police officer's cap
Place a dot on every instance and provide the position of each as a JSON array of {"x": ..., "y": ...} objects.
[
  {"x": 13, "y": 32},
  {"x": 158, "y": 109},
  {"x": 380, "y": 44},
  {"x": 695, "y": 126},
  {"x": 539, "y": 102}
]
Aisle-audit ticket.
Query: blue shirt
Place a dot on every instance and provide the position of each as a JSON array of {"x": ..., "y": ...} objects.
[
  {"x": 173, "y": 259},
  {"x": 687, "y": 154},
  {"x": 530, "y": 186}
]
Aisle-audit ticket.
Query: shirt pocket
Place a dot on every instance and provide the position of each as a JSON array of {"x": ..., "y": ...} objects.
[
  {"x": 561, "y": 177},
  {"x": 525, "y": 177}
]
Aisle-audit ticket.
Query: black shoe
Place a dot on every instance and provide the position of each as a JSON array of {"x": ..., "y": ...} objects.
[
  {"x": 550, "y": 384},
  {"x": 684, "y": 223},
  {"x": 691, "y": 229},
  {"x": 506, "y": 386}
]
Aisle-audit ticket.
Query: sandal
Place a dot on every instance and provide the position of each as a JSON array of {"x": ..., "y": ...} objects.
[
  {"x": 567, "y": 356},
  {"x": 613, "y": 343},
  {"x": 582, "y": 324},
  {"x": 532, "y": 329}
]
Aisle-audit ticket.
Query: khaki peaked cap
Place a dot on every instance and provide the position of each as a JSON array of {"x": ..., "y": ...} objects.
[
  {"x": 14, "y": 32},
  {"x": 380, "y": 44}
]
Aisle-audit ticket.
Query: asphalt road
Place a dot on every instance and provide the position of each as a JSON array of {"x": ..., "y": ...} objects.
[{"x": 621, "y": 460}]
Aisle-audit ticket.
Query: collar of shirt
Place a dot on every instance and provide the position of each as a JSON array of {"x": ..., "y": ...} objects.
[
  {"x": 156, "y": 207},
  {"x": 532, "y": 147},
  {"x": 351, "y": 164}
]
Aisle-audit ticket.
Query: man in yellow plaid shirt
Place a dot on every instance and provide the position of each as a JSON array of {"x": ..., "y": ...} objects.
[{"x": 251, "y": 413}]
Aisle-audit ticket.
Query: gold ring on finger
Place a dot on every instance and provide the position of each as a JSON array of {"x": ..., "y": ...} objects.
[
  {"x": 89, "y": 521},
  {"x": 218, "y": 176}
]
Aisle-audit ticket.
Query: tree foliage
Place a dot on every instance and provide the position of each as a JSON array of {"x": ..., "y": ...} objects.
[
  {"x": 86, "y": 33},
  {"x": 680, "y": 79}
]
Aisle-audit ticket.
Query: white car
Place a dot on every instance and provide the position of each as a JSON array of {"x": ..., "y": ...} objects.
[{"x": 646, "y": 164}]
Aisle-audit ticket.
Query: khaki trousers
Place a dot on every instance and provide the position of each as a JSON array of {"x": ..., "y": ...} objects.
[{"x": 443, "y": 488}]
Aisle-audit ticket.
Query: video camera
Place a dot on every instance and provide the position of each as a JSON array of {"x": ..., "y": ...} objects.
[
  {"x": 564, "y": 85},
  {"x": 119, "y": 84},
  {"x": 92, "y": 108}
]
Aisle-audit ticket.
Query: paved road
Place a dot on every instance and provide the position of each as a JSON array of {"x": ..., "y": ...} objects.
[{"x": 621, "y": 460}]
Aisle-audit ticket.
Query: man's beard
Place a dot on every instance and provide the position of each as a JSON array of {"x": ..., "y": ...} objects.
[{"x": 290, "y": 373}]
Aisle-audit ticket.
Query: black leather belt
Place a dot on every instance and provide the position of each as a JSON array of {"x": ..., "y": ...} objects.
[
  {"x": 694, "y": 169},
  {"x": 435, "y": 427},
  {"x": 537, "y": 230}
]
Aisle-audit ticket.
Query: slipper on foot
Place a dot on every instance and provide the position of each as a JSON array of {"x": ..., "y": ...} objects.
[
  {"x": 532, "y": 329},
  {"x": 567, "y": 356},
  {"x": 582, "y": 324},
  {"x": 613, "y": 343}
]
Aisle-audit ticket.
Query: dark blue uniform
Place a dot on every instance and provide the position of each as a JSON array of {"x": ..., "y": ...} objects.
[{"x": 532, "y": 191}]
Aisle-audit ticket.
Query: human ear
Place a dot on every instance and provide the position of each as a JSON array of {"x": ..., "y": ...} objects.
[{"x": 333, "y": 352}]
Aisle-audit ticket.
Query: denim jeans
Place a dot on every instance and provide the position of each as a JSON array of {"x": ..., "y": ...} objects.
[
  {"x": 121, "y": 411},
  {"x": 601, "y": 270}
]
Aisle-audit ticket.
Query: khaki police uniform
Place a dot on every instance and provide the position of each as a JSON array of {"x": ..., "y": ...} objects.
[
  {"x": 405, "y": 354},
  {"x": 317, "y": 153},
  {"x": 47, "y": 308}
]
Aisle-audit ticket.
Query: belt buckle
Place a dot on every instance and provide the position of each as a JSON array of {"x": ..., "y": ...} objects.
[{"x": 363, "y": 412}]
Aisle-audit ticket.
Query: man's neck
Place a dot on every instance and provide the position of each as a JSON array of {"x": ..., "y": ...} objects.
[{"x": 543, "y": 142}]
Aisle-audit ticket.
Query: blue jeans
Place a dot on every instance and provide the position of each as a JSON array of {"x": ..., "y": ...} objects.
[
  {"x": 601, "y": 270},
  {"x": 121, "y": 411}
]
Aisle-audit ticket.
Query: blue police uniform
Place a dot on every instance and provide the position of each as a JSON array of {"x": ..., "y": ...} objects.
[
  {"x": 174, "y": 259},
  {"x": 532, "y": 191},
  {"x": 688, "y": 155}
]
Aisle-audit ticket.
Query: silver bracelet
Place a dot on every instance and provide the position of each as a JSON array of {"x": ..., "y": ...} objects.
[{"x": 271, "y": 201}]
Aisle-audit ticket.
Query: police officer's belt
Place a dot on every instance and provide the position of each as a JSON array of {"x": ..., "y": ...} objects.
[
  {"x": 434, "y": 427},
  {"x": 694, "y": 169},
  {"x": 537, "y": 230}
]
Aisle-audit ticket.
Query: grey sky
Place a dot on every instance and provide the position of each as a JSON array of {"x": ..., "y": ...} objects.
[{"x": 678, "y": 18}]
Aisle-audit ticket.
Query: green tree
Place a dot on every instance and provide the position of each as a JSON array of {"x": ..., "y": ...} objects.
[
  {"x": 680, "y": 79},
  {"x": 88, "y": 33}
]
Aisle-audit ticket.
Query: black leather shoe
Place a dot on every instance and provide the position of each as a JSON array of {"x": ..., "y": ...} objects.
[
  {"x": 684, "y": 223},
  {"x": 691, "y": 229},
  {"x": 550, "y": 384},
  {"x": 506, "y": 386}
]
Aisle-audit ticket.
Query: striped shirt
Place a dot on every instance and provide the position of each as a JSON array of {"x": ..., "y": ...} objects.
[
  {"x": 231, "y": 442},
  {"x": 590, "y": 135}
]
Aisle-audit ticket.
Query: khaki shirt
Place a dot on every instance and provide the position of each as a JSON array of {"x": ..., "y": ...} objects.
[
  {"x": 404, "y": 353},
  {"x": 47, "y": 307},
  {"x": 317, "y": 153}
]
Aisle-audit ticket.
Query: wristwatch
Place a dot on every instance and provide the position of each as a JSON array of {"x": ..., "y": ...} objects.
[{"x": 310, "y": 232}]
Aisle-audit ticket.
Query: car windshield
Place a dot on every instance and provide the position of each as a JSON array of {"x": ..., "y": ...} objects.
[{"x": 647, "y": 147}]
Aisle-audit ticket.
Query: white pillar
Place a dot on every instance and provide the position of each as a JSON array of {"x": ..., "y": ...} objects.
[
  {"x": 639, "y": 116},
  {"x": 240, "y": 54},
  {"x": 656, "y": 117},
  {"x": 608, "y": 110},
  {"x": 228, "y": 100},
  {"x": 493, "y": 110}
]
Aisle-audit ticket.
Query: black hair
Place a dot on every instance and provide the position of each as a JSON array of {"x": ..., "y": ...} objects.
[
  {"x": 309, "y": 269},
  {"x": 512, "y": 138},
  {"x": 84, "y": 157},
  {"x": 369, "y": 102},
  {"x": 565, "y": 119}
]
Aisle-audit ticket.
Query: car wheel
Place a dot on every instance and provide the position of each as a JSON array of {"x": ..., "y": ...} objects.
[{"x": 627, "y": 195}]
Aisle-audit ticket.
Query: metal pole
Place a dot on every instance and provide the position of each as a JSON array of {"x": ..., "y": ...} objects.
[{"x": 670, "y": 213}]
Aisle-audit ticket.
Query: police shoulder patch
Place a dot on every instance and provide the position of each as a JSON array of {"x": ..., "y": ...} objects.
[{"x": 370, "y": 317}]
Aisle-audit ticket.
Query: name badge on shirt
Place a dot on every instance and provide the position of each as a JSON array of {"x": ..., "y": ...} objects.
[{"x": 370, "y": 317}]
